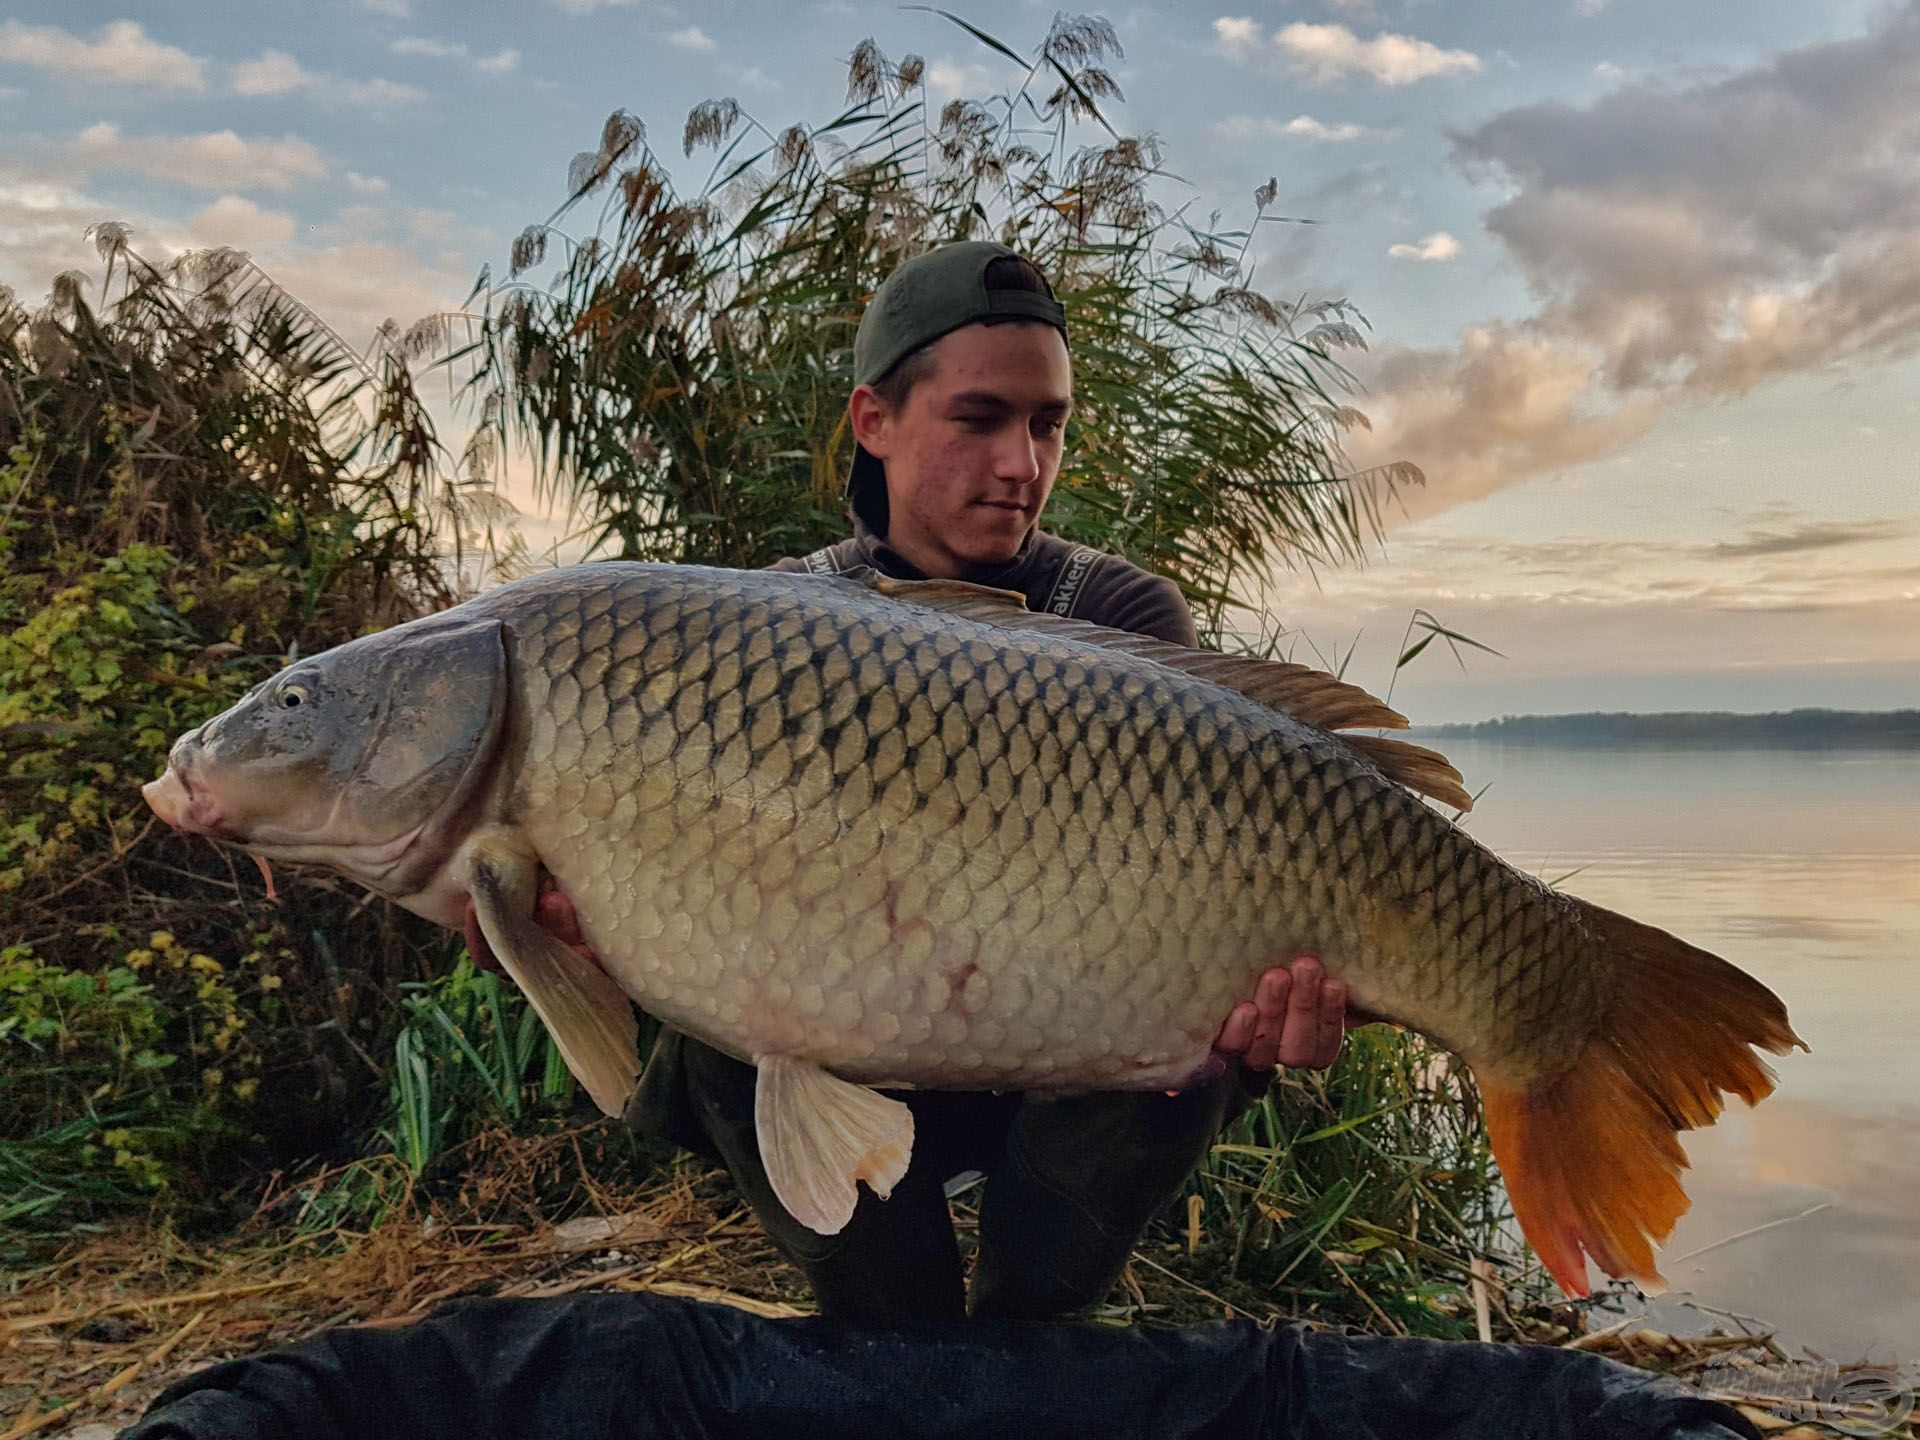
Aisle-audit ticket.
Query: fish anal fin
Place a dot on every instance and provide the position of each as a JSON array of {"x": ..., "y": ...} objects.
[
  {"x": 590, "y": 1018},
  {"x": 821, "y": 1135},
  {"x": 1591, "y": 1155}
]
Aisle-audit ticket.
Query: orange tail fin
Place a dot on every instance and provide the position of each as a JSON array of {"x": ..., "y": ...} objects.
[{"x": 1590, "y": 1156}]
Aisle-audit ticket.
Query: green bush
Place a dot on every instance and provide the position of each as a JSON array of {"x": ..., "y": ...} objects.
[{"x": 198, "y": 482}]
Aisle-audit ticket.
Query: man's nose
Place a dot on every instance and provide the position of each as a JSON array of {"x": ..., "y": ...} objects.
[{"x": 1016, "y": 458}]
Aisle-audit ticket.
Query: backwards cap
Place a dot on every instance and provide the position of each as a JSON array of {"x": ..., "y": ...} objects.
[{"x": 923, "y": 299}]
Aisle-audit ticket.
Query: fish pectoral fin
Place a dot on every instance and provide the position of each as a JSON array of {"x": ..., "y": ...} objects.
[
  {"x": 821, "y": 1135},
  {"x": 589, "y": 1017}
]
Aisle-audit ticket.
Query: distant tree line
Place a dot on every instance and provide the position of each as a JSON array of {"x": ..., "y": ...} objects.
[{"x": 1897, "y": 728}]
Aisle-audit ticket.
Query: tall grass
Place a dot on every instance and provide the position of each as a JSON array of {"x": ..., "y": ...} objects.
[
  {"x": 470, "y": 1053},
  {"x": 680, "y": 373}
]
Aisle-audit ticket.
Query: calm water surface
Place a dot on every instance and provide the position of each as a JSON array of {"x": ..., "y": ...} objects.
[{"x": 1803, "y": 868}]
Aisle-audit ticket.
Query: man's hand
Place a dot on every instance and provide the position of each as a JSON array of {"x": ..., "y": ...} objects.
[
  {"x": 551, "y": 908},
  {"x": 1298, "y": 1017}
]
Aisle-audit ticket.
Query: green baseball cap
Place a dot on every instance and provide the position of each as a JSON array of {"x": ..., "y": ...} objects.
[{"x": 923, "y": 299}]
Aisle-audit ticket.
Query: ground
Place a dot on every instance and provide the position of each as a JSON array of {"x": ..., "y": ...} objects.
[{"x": 91, "y": 1335}]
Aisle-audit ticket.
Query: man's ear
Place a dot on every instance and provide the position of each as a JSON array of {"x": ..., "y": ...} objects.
[{"x": 871, "y": 419}]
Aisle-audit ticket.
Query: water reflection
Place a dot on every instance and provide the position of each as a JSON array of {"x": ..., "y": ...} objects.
[{"x": 1802, "y": 867}]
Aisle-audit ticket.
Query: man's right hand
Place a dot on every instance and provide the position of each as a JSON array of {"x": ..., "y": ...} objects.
[{"x": 1298, "y": 1017}]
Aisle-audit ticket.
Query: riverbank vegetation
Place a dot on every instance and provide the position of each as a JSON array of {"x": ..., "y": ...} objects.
[{"x": 1810, "y": 727}]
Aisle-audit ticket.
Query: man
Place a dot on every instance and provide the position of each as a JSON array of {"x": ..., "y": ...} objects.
[{"x": 963, "y": 390}]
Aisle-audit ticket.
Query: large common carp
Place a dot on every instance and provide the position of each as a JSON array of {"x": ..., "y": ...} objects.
[{"x": 865, "y": 832}]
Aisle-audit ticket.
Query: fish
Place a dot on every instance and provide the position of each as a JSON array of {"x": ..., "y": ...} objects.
[{"x": 870, "y": 834}]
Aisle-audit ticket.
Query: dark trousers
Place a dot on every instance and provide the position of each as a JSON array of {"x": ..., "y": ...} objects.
[{"x": 1071, "y": 1183}]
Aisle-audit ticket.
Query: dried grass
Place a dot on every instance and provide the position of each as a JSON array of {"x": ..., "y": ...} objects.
[
  {"x": 95, "y": 1333},
  {"x": 90, "y": 1337}
]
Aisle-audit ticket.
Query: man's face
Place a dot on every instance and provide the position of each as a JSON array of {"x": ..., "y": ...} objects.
[{"x": 972, "y": 455}]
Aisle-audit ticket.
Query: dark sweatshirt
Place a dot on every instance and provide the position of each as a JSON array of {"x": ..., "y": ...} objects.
[{"x": 1054, "y": 574}]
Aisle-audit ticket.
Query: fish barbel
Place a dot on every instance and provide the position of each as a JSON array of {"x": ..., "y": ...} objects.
[{"x": 873, "y": 833}]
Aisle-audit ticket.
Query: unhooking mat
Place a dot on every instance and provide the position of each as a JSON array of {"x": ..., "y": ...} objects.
[{"x": 635, "y": 1367}]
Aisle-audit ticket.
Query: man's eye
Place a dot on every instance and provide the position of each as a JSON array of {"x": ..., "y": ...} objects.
[{"x": 1049, "y": 427}]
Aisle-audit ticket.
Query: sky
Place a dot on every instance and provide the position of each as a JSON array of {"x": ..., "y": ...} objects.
[{"x": 1642, "y": 276}]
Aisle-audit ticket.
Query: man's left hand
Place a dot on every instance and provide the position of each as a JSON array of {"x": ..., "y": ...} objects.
[{"x": 1298, "y": 1017}]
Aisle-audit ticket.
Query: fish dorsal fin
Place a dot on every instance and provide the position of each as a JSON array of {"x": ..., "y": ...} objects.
[{"x": 1307, "y": 694}]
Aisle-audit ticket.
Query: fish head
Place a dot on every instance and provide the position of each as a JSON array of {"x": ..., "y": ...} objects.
[{"x": 366, "y": 759}]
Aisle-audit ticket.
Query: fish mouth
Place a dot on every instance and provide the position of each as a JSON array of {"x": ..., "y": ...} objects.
[{"x": 192, "y": 812}]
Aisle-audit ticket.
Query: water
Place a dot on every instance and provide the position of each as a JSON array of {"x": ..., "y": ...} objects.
[{"x": 1803, "y": 868}]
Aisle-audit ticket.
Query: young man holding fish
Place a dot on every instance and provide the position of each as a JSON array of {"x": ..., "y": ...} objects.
[
  {"x": 892, "y": 832},
  {"x": 964, "y": 388}
]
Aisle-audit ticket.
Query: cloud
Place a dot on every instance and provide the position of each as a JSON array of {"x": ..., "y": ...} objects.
[
  {"x": 220, "y": 160},
  {"x": 1308, "y": 128},
  {"x": 45, "y": 209},
  {"x": 1332, "y": 52},
  {"x": 277, "y": 73},
  {"x": 499, "y": 63},
  {"x": 1511, "y": 402},
  {"x": 1684, "y": 243},
  {"x": 1301, "y": 127},
  {"x": 44, "y": 215},
  {"x": 1237, "y": 36},
  {"x": 1590, "y": 7},
  {"x": 750, "y": 77},
  {"x": 356, "y": 286},
  {"x": 947, "y": 80},
  {"x": 366, "y": 184},
  {"x": 1592, "y": 621},
  {"x": 587, "y": 7},
  {"x": 435, "y": 49},
  {"x": 1607, "y": 70},
  {"x": 1437, "y": 246},
  {"x": 238, "y": 222},
  {"x": 1810, "y": 535},
  {"x": 117, "y": 54},
  {"x": 692, "y": 38}
]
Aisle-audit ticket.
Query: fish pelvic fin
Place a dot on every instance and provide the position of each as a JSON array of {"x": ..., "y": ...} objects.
[
  {"x": 590, "y": 1018},
  {"x": 821, "y": 1135},
  {"x": 1591, "y": 1155},
  {"x": 1307, "y": 694}
]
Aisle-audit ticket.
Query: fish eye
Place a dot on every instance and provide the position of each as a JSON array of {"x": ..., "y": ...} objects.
[{"x": 291, "y": 697}]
